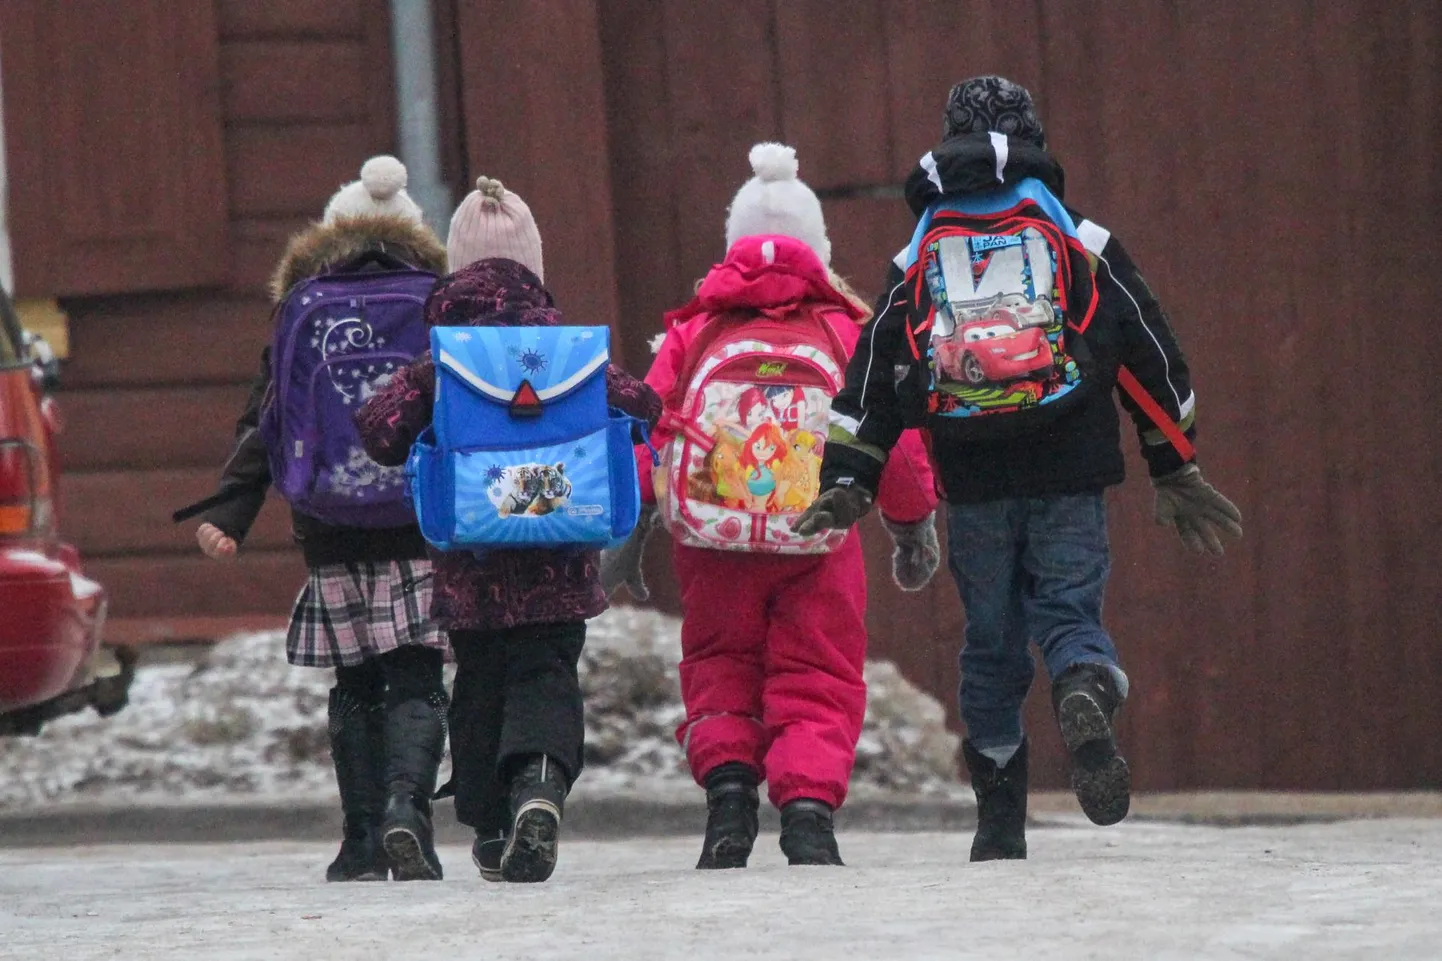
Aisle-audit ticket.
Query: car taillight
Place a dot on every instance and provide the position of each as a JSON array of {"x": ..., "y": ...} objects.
[{"x": 19, "y": 498}]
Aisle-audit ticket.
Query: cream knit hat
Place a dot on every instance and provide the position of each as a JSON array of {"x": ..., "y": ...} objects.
[
  {"x": 494, "y": 222},
  {"x": 380, "y": 192},
  {"x": 775, "y": 202}
]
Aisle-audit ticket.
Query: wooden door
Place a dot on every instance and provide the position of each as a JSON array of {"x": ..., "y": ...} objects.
[{"x": 113, "y": 131}]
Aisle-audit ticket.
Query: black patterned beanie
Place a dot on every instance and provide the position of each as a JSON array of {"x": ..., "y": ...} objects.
[{"x": 984, "y": 104}]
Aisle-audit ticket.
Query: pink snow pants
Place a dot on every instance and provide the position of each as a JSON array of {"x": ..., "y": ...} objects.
[{"x": 772, "y": 653}]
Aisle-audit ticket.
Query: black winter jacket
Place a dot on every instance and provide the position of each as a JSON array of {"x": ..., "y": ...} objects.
[
  {"x": 247, "y": 471},
  {"x": 1079, "y": 451}
]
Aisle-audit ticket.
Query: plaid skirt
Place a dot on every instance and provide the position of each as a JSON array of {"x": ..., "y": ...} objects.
[{"x": 349, "y": 613}]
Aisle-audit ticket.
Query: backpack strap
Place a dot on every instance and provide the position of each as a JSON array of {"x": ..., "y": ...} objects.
[
  {"x": 371, "y": 258},
  {"x": 838, "y": 349},
  {"x": 1169, "y": 428}
]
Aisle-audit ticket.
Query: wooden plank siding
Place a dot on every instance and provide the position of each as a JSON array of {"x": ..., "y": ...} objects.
[
  {"x": 542, "y": 131},
  {"x": 1273, "y": 172},
  {"x": 1241, "y": 158},
  {"x": 111, "y": 95},
  {"x": 156, "y": 379}
]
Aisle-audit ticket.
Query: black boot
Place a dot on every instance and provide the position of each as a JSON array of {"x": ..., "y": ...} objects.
[
  {"x": 538, "y": 795},
  {"x": 732, "y": 821},
  {"x": 486, "y": 854},
  {"x": 1000, "y": 805},
  {"x": 357, "y": 746},
  {"x": 807, "y": 833},
  {"x": 1086, "y": 700},
  {"x": 416, "y": 737}
]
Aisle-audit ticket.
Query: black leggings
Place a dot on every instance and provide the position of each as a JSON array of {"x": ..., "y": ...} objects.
[
  {"x": 516, "y": 694},
  {"x": 404, "y": 674}
]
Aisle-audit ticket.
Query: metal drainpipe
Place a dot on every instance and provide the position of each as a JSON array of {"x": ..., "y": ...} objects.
[
  {"x": 7, "y": 276},
  {"x": 414, "y": 47}
]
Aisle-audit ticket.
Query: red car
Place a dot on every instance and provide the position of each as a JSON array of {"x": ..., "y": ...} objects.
[
  {"x": 993, "y": 350},
  {"x": 50, "y": 613}
]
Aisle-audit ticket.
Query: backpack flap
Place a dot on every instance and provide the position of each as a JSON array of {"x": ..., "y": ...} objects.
[
  {"x": 554, "y": 375},
  {"x": 522, "y": 424}
]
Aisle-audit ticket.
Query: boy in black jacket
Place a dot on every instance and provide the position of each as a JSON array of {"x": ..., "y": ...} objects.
[{"x": 1027, "y": 521}]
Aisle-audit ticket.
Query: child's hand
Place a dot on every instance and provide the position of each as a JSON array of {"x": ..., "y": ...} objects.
[
  {"x": 215, "y": 543},
  {"x": 916, "y": 554},
  {"x": 835, "y": 510},
  {"x": 622, "y": 565},
  {"x": 1196, "y": 509}
]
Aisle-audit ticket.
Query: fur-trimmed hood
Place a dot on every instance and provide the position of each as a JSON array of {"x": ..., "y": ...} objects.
[{"x": 321, "y": 247}]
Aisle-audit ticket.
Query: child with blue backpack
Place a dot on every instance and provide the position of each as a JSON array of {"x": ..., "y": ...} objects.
[
  {"x": 349, "y": 294},
  {"x": 516, "y": 615},
  {"x": 1010, "y": 321}
]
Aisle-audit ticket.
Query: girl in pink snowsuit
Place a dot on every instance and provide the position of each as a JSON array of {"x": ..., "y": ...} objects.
[{"x": 773, "y": 644}]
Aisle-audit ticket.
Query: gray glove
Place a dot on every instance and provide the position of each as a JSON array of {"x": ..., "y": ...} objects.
[
  {"x": 916, "y": 555},
  {"x": 1197, "y": 510},
  {"x": 835, "y": 510},
  {"x": 622, "y": 565}
]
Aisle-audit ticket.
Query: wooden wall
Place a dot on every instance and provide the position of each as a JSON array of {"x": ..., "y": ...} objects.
[
  {"x": 1274, "y": 172},
  {"x": 295, "y": 95},
  {"x": 1273, "y": 168}
]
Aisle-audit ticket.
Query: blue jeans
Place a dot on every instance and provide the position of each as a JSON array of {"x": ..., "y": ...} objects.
[{"x": 1028, "y": 570}]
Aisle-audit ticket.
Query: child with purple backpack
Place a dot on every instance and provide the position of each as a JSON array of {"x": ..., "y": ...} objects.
[{"x": 349, "y": 296}]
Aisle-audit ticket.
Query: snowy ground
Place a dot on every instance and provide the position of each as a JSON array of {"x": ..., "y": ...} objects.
[
  {"x": 1364, "y": 890},
  {"x": 246, "y": 726}
]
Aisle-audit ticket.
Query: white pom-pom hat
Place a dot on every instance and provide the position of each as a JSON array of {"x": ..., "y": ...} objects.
[
  {"x": 774, "y": 201},
  {"x": 380, "y": 192}
]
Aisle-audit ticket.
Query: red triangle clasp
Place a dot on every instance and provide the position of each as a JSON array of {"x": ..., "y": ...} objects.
[{"x": 526, "y": 402}]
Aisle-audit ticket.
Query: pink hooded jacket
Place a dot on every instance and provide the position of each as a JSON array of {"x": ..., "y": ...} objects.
[{"x": 774, "y": 275}]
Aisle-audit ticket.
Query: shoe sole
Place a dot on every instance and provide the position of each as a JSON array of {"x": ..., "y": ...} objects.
[
  {"x": 530, "y": 855},
  {"x": 487, "y": 874},
  {"x": 819, "y": 861},
  {"x": 726, "y": 855},
  {"x": 408, "y": 860},
  {"x": 1100, "y": 778},
  {"x": 363, "y": 876},
  {"x": 998, "y": 854}
]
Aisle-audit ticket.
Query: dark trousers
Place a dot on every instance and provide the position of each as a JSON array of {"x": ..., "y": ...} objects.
[{"x": 516, "y": 694}]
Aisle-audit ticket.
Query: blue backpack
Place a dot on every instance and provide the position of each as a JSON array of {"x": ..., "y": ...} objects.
[{"x": 523, "y": 450}]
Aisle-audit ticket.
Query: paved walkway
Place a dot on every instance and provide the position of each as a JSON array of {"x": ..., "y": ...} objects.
[{"x": 1363, "y": 890}]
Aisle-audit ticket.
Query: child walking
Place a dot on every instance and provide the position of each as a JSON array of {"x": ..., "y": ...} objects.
[
  {"x": 516, "y": 617},
  {"x": 1011, "y": 320},
  {"x": 774, "y": 636},
  {"x": 364, "y": 610}
]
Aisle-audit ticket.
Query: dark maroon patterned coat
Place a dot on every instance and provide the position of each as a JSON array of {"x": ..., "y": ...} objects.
[{"x": 507, "y": 588}]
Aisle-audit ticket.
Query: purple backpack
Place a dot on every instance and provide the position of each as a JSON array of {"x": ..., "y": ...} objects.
[{"x": 339, "y": 338}]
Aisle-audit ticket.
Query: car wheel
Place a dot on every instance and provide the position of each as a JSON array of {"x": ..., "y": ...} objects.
[{"x": 971, "y": 369}]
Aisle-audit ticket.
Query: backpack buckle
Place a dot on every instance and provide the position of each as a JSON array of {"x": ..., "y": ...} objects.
[{"x": 526, "y": 402}]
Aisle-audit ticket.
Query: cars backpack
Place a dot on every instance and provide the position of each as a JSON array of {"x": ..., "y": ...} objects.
[
  {"x": 999, "y": 291},
  {"x": 750, "y": 428},
  {"x": 523, "y": 450},
  {"x": 339, "y": 337}
]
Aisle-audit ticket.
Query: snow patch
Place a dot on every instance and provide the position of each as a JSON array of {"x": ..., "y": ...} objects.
[{"x": 245, "y": 725}]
